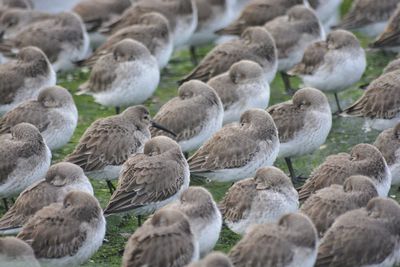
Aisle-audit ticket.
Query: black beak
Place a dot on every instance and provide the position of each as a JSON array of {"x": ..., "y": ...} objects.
[{"x": 158, "y": 126}]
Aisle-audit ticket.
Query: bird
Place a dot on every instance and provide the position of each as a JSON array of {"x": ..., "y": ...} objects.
[
  {"x": 63, "y": 39},
  {"x": 364, "y": 159},
  {"x": 303, "y": 124},
  {"x": 257, "y": 13},
  {"x": 53, "y": 113},
  {"x": 60, "y": 179},
  {"x": 181, "y": 14},
  {"x": 332, "y": 65},
  {"x": 165, "y": 239},
  {"x": 240, "y": 88},
  {"x": 25, "y": 159},
  {"x": 328, "y": 12},
  {"x": 327, "y": 204},
  {"x": 67, "y": 233},
  {"x": 127, "y": 76},
  {"x": 151, "y": 29},
  {"x": 194, "y": 115},
  {"x": 204, "y": 216},
  {"x": 16, "y": 253},
  {"x": 378, "y": 105},
  {"x": 238, "y": 149},
  {"x": 391, "y": 66},
  {"x": 363, "y": 237},
  {"x": 389, "y": 39},
  {"x": 150, "y": 180},
  {"x": 108, "y": 142},
  {"x": 292, "y": 33},
  {"x": 368, "y": 18},
  {"x": 97, "y": 13},
  {"x": 214, "y": 259},
  {"x": 292, "y": 241},
  {"x": 254, "y": 44},
  {"x": 22, "y": 79},
  {"x": 388, "y": 143},
  {"x": 23, "y": 4},
  {"x": 262, "y": 199}
]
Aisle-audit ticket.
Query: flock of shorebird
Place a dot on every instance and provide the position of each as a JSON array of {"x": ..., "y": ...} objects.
[{"x": 221, "y": 112}]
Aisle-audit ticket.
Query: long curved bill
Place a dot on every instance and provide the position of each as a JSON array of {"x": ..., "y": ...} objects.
[{"x": 158, "y": 126}]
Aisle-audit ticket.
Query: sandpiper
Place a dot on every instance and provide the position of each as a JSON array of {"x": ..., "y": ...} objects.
[
  {"x": 214, "y": 259},
  {"x": 389, "y": 39},
  {"x": 257, "y": 13},
  {"x": 378, "y": 105},
  {"x": 194, "y": 115},
  {"x": 181, "y": 14},
  {"x": 241, "y": 88},
  {"x": 97, "y": 13},
  {"x": 68, "y": 233},
  {"x": 25, "y": 159},
  {"x": 392, "y": 66},
  {"x": 303, "y": 124},
  {"x": 363, "y": 237},
  {"x": 388, "y": 143},
  {"x": 16, "y": 253},
  {"x": 63, "y": 39},
  {"x": 290, "y": 242},
  {"x": 204, "y": 217},
  {"x": 127, "y": 76},
  {"x": 60, "y": 179},
  {"x": 262, "y": 199},
  {"x": 328, "y": 203},
  {"x": 23, "y": 78},
  {"x": 328, "y": 12},
  {"x": 54, "y": 114},
  {"x": 364, "y": 159},
  {"x": 150, "y": 180},
  {"x": 165, "y": 239},
  {"x": 368, "y": 17},
  {"x": 292, "y": 34},
  {"x": 332, "y": 65},
  {"x": 108, "y": 143},
  {"x": 255, "y": 44},
  {"x": 151, "y": 29},
  {"x": 237, "y": 150}
]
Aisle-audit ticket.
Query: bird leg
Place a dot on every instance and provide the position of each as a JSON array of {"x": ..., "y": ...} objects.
[
  {"x": 139, "y": 220},
  {"x": 111, "y": 187},
  {"x": 286, "y": 81},
  {"x": 339, "y": 109},
  {"x": 117, "y": 110},
  {"x": 5, "y": 203},
  {"x": 193, "y": 55},
  {"x": 295, "y": 179}
]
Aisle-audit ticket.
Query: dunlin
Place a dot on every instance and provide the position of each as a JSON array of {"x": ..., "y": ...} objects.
[
  {"x": 25, "y": 159},
  {"x": 68, "y": 233},
  {"x": 16, "y": 253},
  {"x": 54, "y": 114},
  {"x": 204, "y": 217},
  {"x": 108, "y": 143},
  {"x": 152, "y": 30},
  {"x": 63, "y": 39},
  {"x": 392, "y": 66},
  {"x": 194, "y": 115},
  {"x": 214, "y": 259},
  {"x": 363, "y": 237},
  {"x": 262, "y": 199},
  {"x": 181, "y": 14},
  {"x": 255, "y": 44},
  {"x": 164, "y": 240},
  {"x": 292, "y": 34},
  {"x": 364, "y": 159},
  {"x": 379, "y": 105},
  {"x": 368, "y": 16},
  {"x": 241, "y": 88},
  {"x": 290, "y": 242},
  {"x": 328, "y": 203},
  {"x": 332, "y": 65},
  {"x": 127, "y": 76},
  {"x": 389, "y": 39},
  {"x": 237, "y": 150},
  {"x": 303, "y": 124},
  {"x": 23, "y": 78},
  {"x": 60, "y": 179},
  {"x": 328, "y": 12},
  {"x": 150, "y": 180},
  {"x": 388, "y": 143},
  {"x": 257, "y": 13}
]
